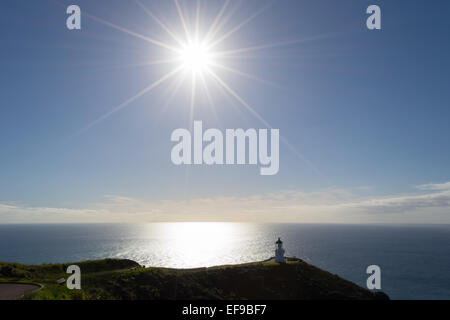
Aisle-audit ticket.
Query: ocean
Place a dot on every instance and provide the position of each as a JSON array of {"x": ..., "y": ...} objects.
[{"x": 414, "y": 260}]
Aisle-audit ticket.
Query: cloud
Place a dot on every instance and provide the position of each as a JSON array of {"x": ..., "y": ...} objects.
[
  {"x": 22, "y": 214},
  {"x": 430, "y": 204},
  {"x": 405, "y": 203},
  {"x": 434, "y": 186}
]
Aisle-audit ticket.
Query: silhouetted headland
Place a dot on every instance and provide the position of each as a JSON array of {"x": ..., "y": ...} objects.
[{"x": 123, "y": 279}]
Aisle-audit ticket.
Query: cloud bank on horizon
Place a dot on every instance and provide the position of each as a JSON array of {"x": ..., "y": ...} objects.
[{"x": 430, "y": 204}]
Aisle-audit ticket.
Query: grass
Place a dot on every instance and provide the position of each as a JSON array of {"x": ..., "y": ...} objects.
[{"x": 48, "y": 274}]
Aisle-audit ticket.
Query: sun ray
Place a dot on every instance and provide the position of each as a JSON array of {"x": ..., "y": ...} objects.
[
  {"x": 192, "y": 104},
  {"x": 183, "y": 21},
  {"x": 135, "y": 34},
  {"x": 222, "y": 23},
  {"x": 243, "y": 74},
  {"x": 176, "y": 86},
  {"x": 142, "y": 64},
  {"x": 106, "y": 65},
  {"x": 238, "y": 98},
  {"x": 128, "y": 101},
  {"x": 239, "y": 26},
  {"x": 156, "y": 62},
  {"x": 161, "y": 24},
  {"x": 197, "y": 22},
  {"x": 231, "y": 100},
  {"x": 172, "y": 94},
  {"x": 216, "y": 20},
  {"x": 208, "y": 97},
  {"x": 260, "y": 118},
  {"x": 268, "y": 46}
]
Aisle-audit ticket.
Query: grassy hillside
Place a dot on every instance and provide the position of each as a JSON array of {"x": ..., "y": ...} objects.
[
  {"x": 48, "y": 274},
  {"x": 125, "y": 279}
]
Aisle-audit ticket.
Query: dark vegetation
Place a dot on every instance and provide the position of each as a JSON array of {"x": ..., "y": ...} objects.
[{"x": 127, "y": 280}]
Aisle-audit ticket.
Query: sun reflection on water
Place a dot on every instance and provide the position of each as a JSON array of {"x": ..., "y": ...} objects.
[{"x": 198, "y": 244}]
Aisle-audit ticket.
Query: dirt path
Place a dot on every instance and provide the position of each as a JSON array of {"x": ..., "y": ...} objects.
[{"x": 12, "y": 291}]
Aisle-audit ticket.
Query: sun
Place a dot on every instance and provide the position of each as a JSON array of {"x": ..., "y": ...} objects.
[
  {"x": 196, "y": 57},
  {"x": 197, "y": 52},
  {"x": 194, "y": 50}
]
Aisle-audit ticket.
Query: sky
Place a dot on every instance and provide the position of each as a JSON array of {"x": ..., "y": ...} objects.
[{"x": 363, "y": 113}]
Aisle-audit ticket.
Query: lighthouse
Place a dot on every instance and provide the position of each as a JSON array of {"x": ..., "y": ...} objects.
[{"x": 279, "y": 252}]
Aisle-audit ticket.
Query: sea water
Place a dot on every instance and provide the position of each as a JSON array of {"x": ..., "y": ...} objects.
[{"x": 414, "y": 260}]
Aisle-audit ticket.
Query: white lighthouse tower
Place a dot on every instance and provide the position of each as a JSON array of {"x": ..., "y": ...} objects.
[{"x": 279, "y": 252}]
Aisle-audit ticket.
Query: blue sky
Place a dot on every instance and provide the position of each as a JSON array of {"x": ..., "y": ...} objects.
[{"x": 368, "y": 109}]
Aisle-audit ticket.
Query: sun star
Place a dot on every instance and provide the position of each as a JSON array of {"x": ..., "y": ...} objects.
[
  {"x": 196, "y": 57},
  {"x": 197, "y": 53}
]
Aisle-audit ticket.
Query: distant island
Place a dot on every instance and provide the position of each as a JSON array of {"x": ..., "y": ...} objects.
[{"x": 122, "y": 279}]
